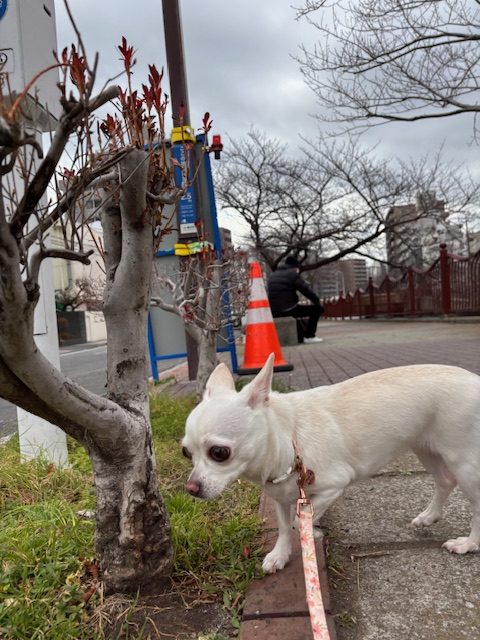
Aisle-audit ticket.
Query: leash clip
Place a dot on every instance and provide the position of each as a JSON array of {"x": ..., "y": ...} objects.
[{"x": 304, "y": 502}]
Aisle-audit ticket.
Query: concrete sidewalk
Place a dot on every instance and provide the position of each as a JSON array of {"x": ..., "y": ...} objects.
[{"x": 386, "y": 581}]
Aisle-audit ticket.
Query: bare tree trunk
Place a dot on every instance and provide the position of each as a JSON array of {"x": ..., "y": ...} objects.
[
  {"x": 133, "y": 531},
  {"x": 207, "y": 345},
  {"x": 207, "y": 359}
]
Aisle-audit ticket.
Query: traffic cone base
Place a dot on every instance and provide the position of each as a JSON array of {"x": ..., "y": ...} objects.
[{"x": 261, "y": 335}]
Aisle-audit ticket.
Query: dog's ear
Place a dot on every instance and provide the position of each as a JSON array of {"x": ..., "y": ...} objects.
[
  {"x": 219, "y": 380},
  {"x": 258, "y": 391}
]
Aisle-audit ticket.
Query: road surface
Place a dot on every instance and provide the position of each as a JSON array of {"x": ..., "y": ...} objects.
[{"x": 86, "y": 364}]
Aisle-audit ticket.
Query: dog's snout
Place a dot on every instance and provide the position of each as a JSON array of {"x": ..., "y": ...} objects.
[{"x": 193, "y": 488}]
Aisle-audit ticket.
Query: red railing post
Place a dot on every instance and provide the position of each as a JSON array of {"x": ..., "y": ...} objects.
[
  {"x": 371, "y": 297},
  {"x": 411, "y": 291},
  {"x": 350, "y": 304},
  {"x": 388, "y": 287},
  {"x": 358, "y": 296},
  {"x": 445, "y": 280}
]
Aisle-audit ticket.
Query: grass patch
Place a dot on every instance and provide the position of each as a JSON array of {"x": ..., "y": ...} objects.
[{"x": 44, "y": 544}]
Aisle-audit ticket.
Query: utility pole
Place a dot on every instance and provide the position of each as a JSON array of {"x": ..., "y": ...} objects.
[
  {"x": 172, "y": 27},
  {"x": 196, "y": 210}
]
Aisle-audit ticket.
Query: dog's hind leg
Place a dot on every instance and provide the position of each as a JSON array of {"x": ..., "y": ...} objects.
[
  {"x": 280, "y": 554},
  {"x": 445, "y": 482},
  {"x": 468, "y": 477}
]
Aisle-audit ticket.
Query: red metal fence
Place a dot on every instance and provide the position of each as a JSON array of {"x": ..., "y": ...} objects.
[{"x": 450, "y": 286}]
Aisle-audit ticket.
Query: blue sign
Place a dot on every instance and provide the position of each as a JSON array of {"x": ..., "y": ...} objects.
[
  {"x": 3, "y": 7},
  {"x": 187, "y": 206}
]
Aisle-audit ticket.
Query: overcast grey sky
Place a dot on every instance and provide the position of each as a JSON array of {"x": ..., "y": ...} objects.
[
  {"x": 239, "y": 64},
  {"x": 238, "y": 57},
  {"x": 240, "y": 68}
]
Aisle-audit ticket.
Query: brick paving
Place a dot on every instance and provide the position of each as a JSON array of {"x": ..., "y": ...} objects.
[
  {"x": 355, "y": 347},
  {"x": 382, "y": 578},
  {"x": 356, "y": 600}
]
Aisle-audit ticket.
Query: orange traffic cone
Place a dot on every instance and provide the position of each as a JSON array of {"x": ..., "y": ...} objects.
[{"x": 261, "y": 336}]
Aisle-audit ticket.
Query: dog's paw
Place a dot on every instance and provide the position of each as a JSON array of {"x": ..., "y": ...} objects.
[
  {"x": 274, "y": 562},
  {"x": 460, "y": 545},
  {"x": 425, "y": 519}
]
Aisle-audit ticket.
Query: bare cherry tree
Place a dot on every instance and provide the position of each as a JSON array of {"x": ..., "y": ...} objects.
[
  {"x": 124, "y": 158},
  {"x": 208, "y": 293},
  {"x": 393, "y": 60},
  {"x": 331, "y": 200}
]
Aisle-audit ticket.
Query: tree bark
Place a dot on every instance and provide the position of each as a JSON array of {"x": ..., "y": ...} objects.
[
  {"x": 133, "y": 530},
  {"x": 207, "y": 346},
  {"x": 207, "y": 359}
]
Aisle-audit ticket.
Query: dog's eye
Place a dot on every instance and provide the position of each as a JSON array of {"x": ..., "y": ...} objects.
[
  {"x": 219, "y": 454},
  {"x": 186, "y": 453}
]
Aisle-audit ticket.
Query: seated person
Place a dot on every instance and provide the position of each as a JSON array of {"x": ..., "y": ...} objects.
[{"x": 283, "y": 285}]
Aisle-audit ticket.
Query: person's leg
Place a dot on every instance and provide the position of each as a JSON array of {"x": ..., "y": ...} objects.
[
  {"x": 312, "y": 314},
  {"x": 301, "y": 326},
  {"x": 301, "y": 322}
]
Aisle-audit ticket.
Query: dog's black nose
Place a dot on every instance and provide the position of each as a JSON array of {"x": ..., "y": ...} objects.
[{"x": 193, "y": 487}]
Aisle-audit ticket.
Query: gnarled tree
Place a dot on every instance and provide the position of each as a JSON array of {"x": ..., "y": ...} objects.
[{"x": 123, "y": 157}]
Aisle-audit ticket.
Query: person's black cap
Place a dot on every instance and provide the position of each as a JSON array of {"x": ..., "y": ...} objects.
[{"x": 292, "y": 262}]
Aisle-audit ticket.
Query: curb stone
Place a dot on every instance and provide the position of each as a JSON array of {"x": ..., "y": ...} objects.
[{"x": 275, "y": 606}]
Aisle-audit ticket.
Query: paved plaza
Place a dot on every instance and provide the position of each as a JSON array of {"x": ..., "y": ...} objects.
[{"x": 386, "y": 580}]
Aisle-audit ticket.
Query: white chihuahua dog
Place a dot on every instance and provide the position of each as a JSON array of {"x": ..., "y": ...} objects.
[{"x": 343, "y": 432}]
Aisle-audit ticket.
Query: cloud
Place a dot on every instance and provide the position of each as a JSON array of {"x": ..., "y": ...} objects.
[
  {"x": 238, "y": 57},
  {"x": 240, "y": 68}
]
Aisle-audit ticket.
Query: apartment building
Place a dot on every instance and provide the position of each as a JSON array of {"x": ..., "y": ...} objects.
[
  {"x": 345, "y": 275},
  {"x": 417, "y": 230}
]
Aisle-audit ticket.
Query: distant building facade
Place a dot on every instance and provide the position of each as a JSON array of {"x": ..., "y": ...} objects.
[
  {"x": 225, "y": 237},
  {"x": 67, "y": 272},
  {"x": 419, "y": 230},
  {"x": 473, "y": 242},
  {"x": 345, "y": 276}
]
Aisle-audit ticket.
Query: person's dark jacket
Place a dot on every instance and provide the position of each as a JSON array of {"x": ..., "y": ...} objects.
[{"x": 283, "y": 285}]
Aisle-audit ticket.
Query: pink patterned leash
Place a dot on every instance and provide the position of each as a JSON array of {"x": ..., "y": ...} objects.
[{"x": 309, "y": 556}]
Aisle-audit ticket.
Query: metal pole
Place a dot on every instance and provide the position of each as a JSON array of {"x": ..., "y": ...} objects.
[{"x": 172, "y": 27}]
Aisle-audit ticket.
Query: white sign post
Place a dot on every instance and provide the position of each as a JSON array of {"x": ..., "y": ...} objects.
[{"x": 27, "y": 39}]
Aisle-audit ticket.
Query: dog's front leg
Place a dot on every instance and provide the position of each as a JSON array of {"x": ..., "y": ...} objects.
[
  {"x": 320, "y": 503},
  {"x": 280, "y": 554}
]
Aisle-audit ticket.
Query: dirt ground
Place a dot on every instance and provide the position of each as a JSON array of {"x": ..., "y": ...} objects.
[{"x": 170, "y": 615}]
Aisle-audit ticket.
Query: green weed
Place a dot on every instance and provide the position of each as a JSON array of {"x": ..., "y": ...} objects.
[{"x": 43, "y": 542}]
